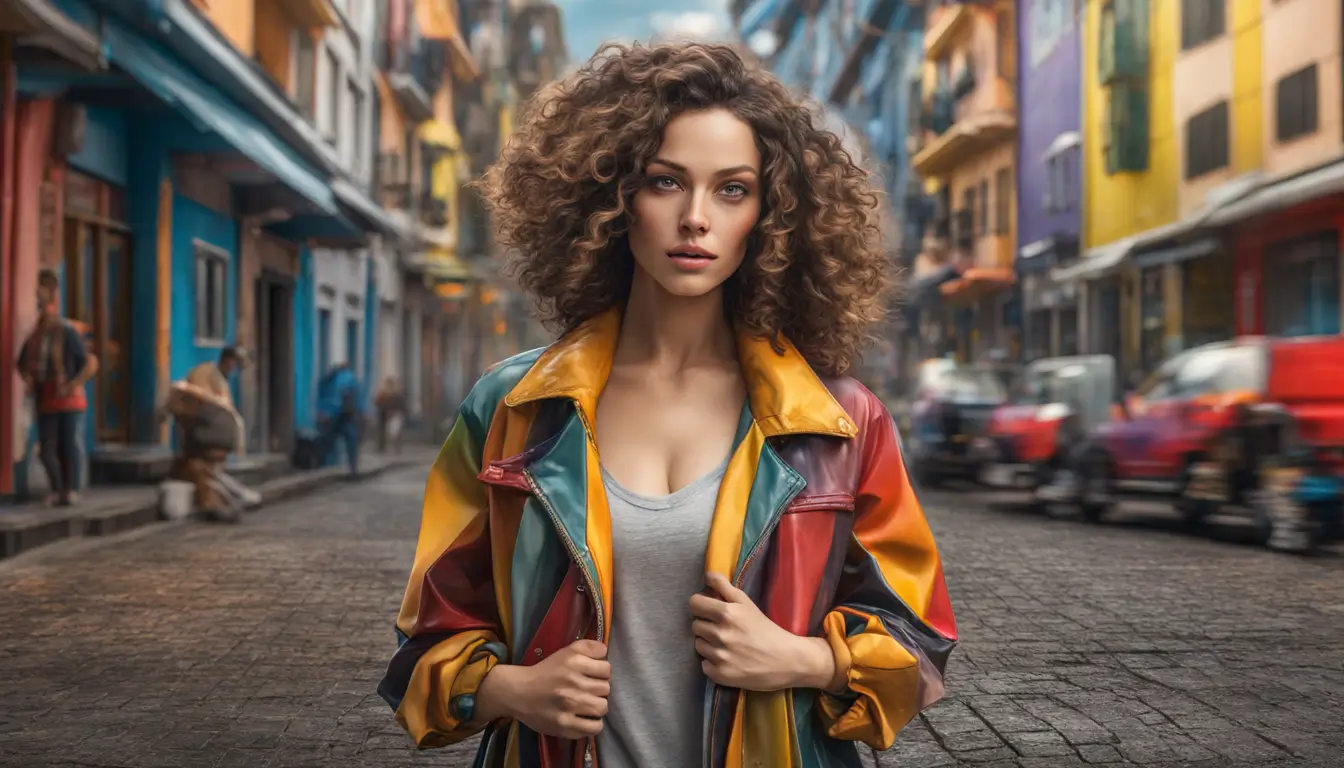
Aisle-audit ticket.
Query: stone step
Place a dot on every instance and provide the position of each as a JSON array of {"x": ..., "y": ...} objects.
[{"x": 114, "y": 510}]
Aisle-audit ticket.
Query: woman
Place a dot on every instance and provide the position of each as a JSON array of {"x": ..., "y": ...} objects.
[{"x": 744, "y": 576}]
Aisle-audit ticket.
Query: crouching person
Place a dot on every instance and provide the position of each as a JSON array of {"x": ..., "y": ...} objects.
[{"x": 208, "y": 432}]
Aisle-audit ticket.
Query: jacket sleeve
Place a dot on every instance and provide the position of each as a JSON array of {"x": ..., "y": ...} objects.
[
  {"x": 892, "y": 627},
  {"x": 449, "y": 630}
]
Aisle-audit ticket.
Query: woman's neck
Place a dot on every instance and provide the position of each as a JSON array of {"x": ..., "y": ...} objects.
[{"x": 670, "y": 333}]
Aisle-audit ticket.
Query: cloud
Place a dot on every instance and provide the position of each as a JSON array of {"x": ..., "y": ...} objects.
[{"x": 699, "y": 25}]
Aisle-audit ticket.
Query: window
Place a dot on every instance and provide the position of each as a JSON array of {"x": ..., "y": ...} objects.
[
  {"x": 305, "y": 74},
  {"x": 1201, "y": 21},
  {"x": 332, "y": 118},
  {"x": 1057, "y": 189},
  {"x": 1206, "y": 141},
  {"x": 1126, "y": 135},
  {"x": 982, "y": 217},
  {"x": 1003, "y": 201},
  {"x": 212, "y": 267},
  {"x": 356, "y": 127},
  {"x": 1302, "y": 291},
  {"x": 1296, "y": 108}
]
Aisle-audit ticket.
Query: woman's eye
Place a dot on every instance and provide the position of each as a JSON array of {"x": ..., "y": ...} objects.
[
  {"x": 664, "y": 182},
  {"x": 736, "y": 189}
]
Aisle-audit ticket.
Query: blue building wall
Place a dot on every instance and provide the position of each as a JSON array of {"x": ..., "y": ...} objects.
[
  {"x": 194, "y": 223},
  {"x": 305, "y": 347}
]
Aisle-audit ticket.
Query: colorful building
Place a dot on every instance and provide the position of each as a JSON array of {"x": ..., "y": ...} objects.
[
  {"x": 968, "y": 157},
  {"x": 1287, "y": 234},
  {"x": 1049, "y": 172}
]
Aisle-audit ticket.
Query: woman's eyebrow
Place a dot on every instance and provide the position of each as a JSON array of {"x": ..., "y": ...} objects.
[{"x": 679, "y": 168}]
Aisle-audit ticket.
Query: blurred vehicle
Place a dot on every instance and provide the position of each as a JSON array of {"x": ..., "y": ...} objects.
[
  {"x": 1057, "y": 401},
  {"x": 951, "y": 406},
  {"x": 1254, "y": 425}
]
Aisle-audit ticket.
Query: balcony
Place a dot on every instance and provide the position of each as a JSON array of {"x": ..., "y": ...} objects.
[
  {"x": 1122, "y": 47},
  {"x": 433, "y": 211},
  {"x": 416, "y": 75},
  {"x": 945, "y": 25},
  {"x": 310, "y": 13},
  {"x": 975, "y": 131}
]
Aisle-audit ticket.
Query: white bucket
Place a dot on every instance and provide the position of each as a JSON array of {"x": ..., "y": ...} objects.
[{"x": 176, "y": 499}]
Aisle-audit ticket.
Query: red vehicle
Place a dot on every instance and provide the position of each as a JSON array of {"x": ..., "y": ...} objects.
[
  {"x": 1057, "y": 401},
  {"x": 1201, "y": 419}
]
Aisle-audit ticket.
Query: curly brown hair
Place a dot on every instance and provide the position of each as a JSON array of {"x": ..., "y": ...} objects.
[{"x": 816, "y": 271}]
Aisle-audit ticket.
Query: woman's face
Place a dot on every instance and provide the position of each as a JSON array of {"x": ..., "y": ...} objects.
[{"x": 700, "y": 200}]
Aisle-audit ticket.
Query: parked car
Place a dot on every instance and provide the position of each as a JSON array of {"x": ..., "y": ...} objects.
[
  {"x": 952, "y": 405},
  {"x": 1254, "y": 425},
  {"x": 1057, "y": 401}
]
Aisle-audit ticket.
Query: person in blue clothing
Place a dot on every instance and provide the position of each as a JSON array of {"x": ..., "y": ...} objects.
[{"x": 339, "y": 412}]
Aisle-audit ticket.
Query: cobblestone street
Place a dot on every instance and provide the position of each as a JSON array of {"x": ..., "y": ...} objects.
[{"x": 260, "y": 645}]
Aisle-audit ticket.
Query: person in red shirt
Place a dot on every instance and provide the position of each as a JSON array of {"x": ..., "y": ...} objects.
[{"x": 55, "y": 364}]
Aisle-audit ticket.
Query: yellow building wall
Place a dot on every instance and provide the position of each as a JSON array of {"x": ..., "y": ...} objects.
[
  {"x": 1247, "y": 93},
  {"x": 235, "y": 19},
  {"x": 1116, "y": 206}
]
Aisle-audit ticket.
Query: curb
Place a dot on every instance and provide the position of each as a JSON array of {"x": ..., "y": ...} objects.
[{"x": 131, "y": 515}]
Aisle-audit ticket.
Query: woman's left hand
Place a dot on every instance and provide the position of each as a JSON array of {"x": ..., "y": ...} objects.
[{"x": 743, "y": 648}]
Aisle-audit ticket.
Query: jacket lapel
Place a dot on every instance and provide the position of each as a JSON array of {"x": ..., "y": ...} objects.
[{"x": 784, "y": 397}]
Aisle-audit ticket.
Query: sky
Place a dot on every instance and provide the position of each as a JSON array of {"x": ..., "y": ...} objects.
[{"x": 589, "y": 23}]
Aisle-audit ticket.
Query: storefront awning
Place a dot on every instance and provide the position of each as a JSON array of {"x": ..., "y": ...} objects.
[
  {"x": 369, "y": 213},
  {"x": 976, "y": 283},
  {"x": 1282, "y": 194},
  {"x": 440, "y": 132},
  {"x": 924, "y": 288},
  {"x": 1098, "y": 262},
  {"x": 1040, "y": 256},
  {"x": 211, "y": 112},
  {"x": 43, "y": 25},
  {"x": 1175, "y": 254},
  {"x": 437, "y": 22},
  {"x": 444, "y": 266}
]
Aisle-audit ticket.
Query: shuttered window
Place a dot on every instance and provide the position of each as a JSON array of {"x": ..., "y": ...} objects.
[
  {"x": 1296, "y": 109},
  {"x": 1207, "y": 141}
]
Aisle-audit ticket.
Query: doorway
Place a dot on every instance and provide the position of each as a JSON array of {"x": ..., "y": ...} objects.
[
  {"x": 97, "y": 288},
  {"x": 274, "y": 303}
]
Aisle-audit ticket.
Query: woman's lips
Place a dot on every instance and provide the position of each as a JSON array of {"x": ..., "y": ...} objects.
[{"x": 690, "y": 261}]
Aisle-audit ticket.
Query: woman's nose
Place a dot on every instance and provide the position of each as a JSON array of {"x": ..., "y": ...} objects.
[{"x": 694, "y": 220}]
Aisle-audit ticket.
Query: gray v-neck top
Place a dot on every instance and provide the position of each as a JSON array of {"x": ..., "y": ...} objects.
[{"x": 656, "y": 708}]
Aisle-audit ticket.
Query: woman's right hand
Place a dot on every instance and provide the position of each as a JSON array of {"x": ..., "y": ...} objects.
[{"x": 564, "y": 695}]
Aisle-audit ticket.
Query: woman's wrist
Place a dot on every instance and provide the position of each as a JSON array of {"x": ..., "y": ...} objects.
[
  {"x": 496, "y": 694},
  {"x": 815, "y": 662}
]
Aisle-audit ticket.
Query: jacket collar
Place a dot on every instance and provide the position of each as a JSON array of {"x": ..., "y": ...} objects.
[{"x": 785, "y": 396}]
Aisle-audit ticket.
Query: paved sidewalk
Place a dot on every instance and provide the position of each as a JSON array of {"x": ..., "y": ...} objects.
[{"x": 114, "y": 509}]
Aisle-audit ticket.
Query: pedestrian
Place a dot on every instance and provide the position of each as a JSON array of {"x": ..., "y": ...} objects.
[
  {"x": 55, "y": 364},
  {"x": 340, "y": 415},
  {"x": 391, "y": 404},
  {"x": 679, "y": 535}
]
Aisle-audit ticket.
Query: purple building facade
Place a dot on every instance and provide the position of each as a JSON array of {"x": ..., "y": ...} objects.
[{"x": 1049, "y": 170}]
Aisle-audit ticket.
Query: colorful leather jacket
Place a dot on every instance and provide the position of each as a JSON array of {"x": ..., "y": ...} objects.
[{"x": 816, "y": 520}]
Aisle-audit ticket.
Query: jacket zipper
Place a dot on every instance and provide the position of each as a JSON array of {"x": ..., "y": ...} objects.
[
  {"x": 775, "y": 515},
  {"x": 573, "y": 552},
  {"x": 590, "y": 587}
]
